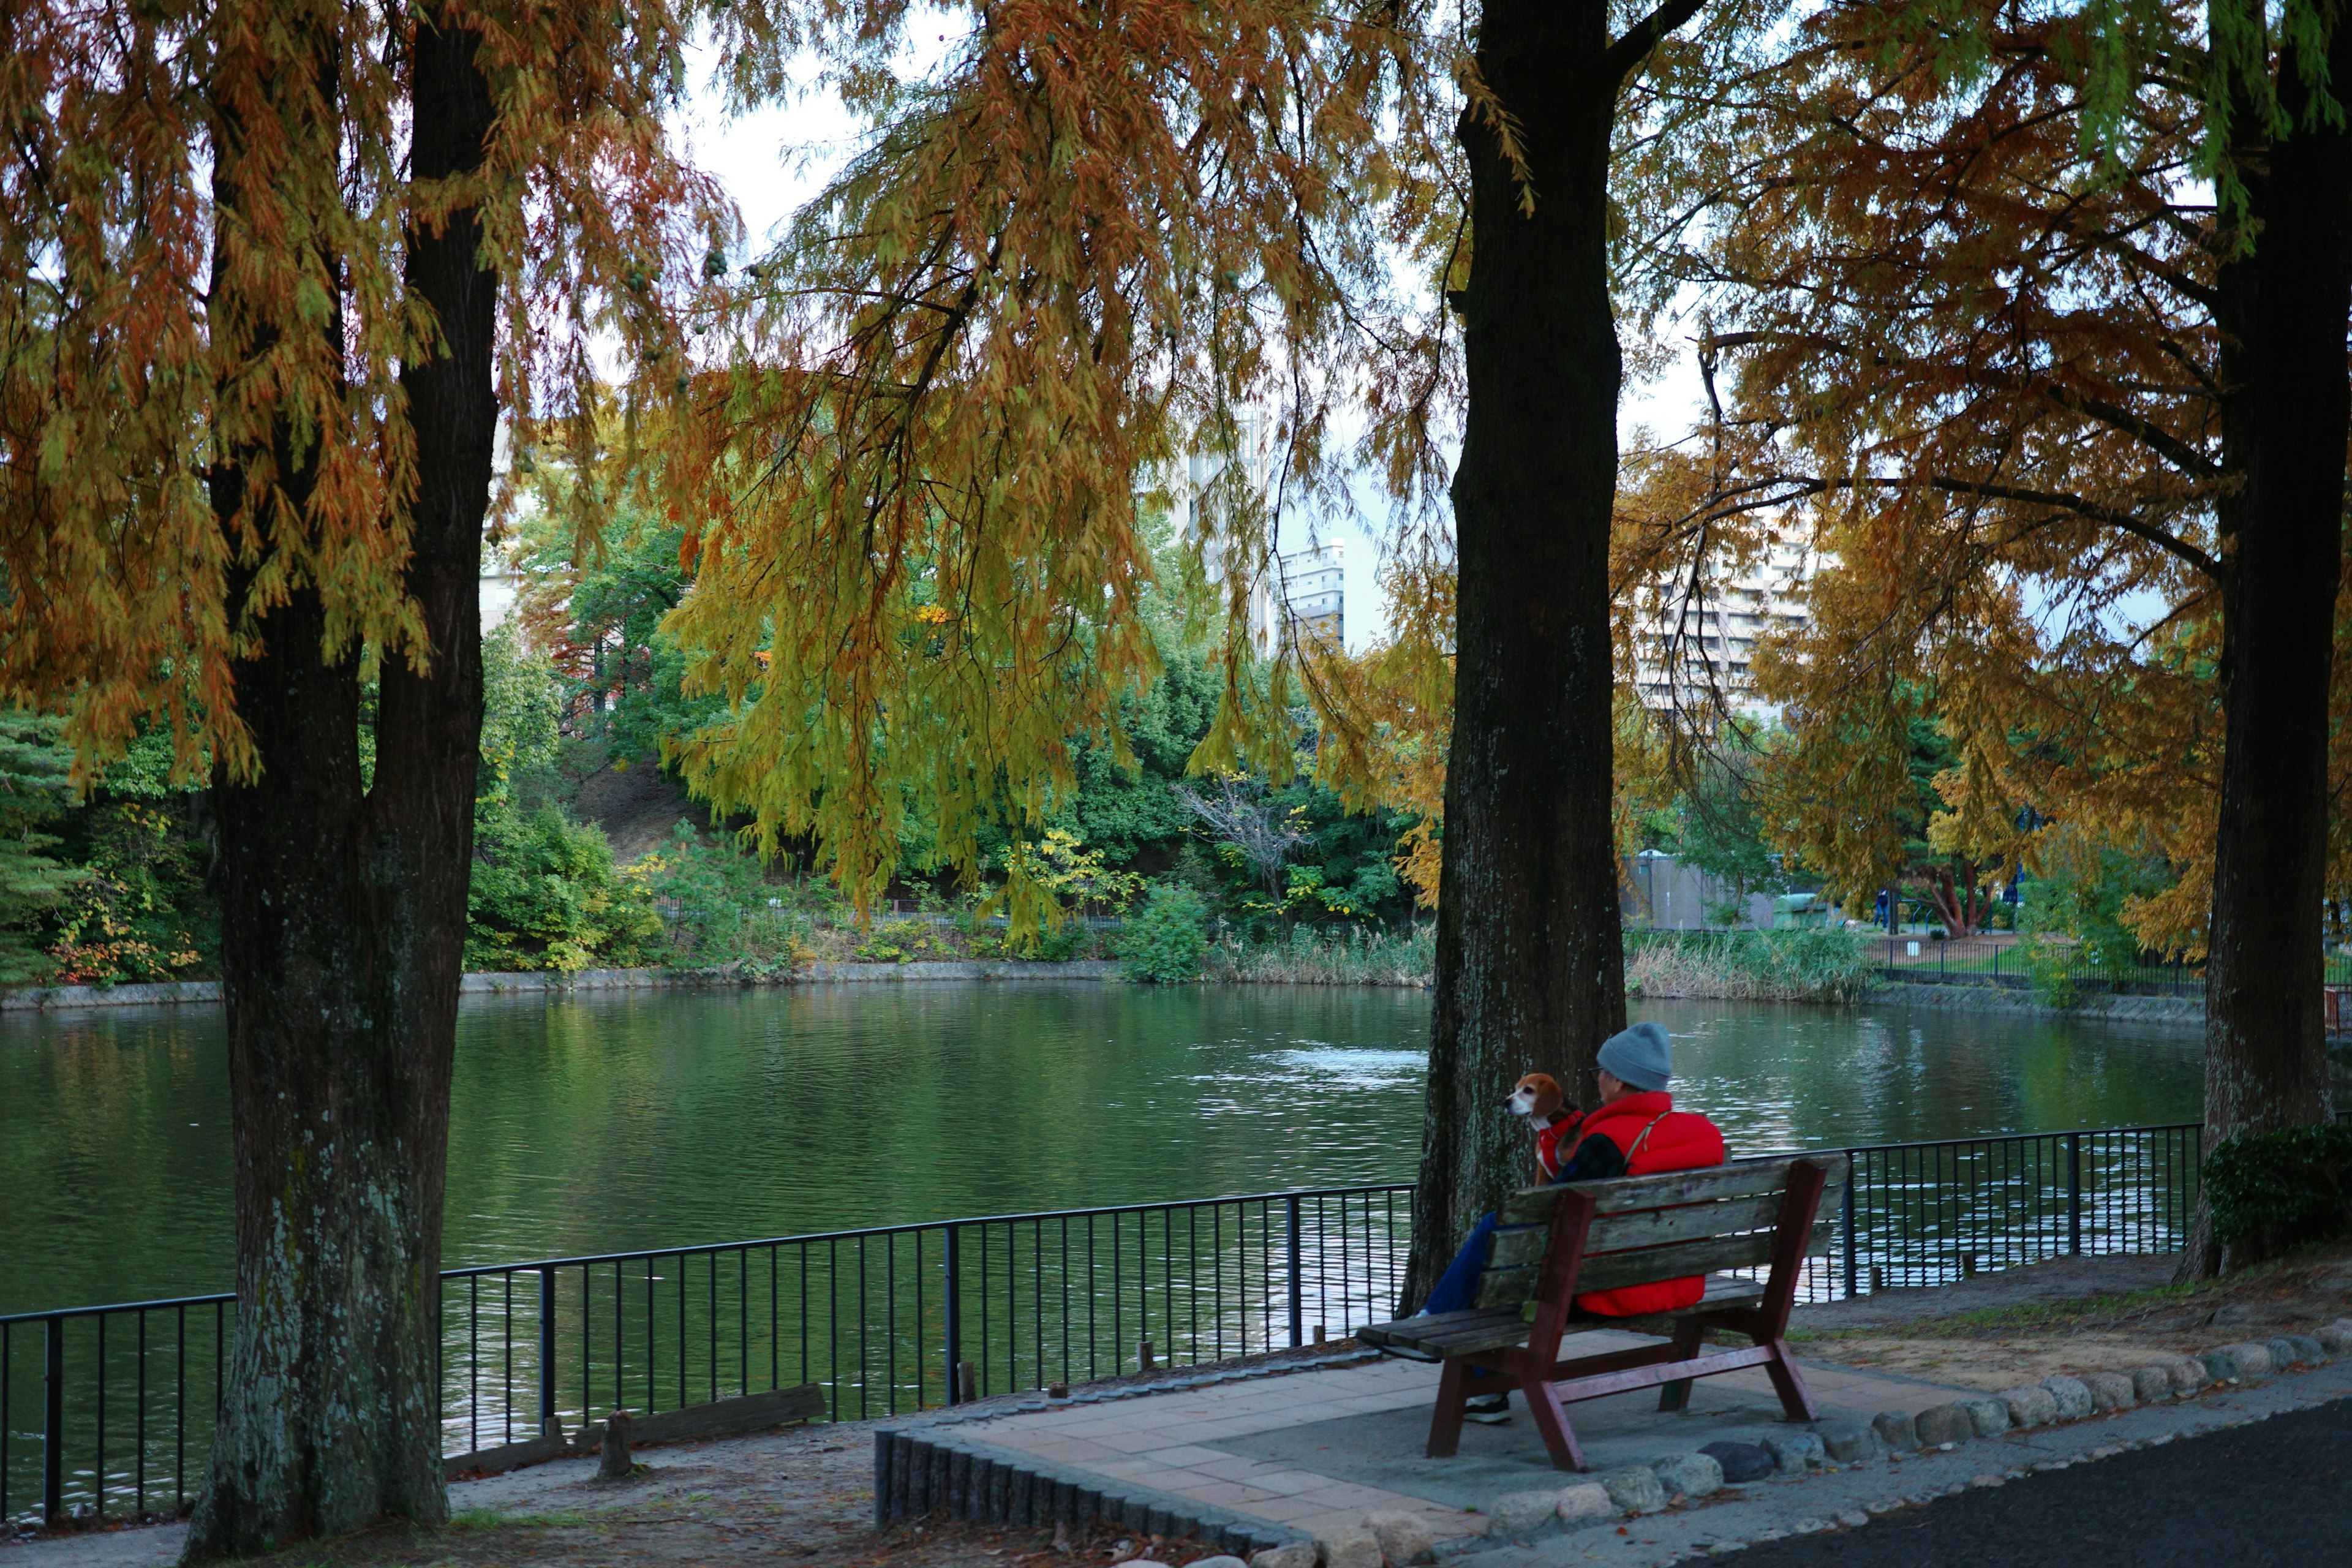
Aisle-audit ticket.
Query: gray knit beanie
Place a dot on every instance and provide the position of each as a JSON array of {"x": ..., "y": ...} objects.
[{"x": 1640, "y": 1057}]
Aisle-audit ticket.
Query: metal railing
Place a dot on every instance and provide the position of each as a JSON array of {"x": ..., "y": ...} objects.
[
  {"x": 109, "y": 1409},
  {"x": 1928, "y": 960}
]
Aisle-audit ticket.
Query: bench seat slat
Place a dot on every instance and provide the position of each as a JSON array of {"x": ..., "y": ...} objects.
[{"x": 1443, "y": 1334}]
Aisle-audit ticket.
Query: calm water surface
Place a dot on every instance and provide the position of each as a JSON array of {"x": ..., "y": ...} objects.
[{"x": 646, "y": 1120}]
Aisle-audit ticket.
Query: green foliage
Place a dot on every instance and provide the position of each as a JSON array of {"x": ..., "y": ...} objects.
[
  {"x": 1719, "y": 830},
  {"x": 2273, "y": 1191},
  {"x": 33, "y": 787},
  {"x": 906, "y": 942},
  {"x": 1164, "y": 940},
  {"x": 725, "y": 913},
  {"x": 2050, "y": 965},
  {"x": 544, "y": 892},
  {"x": 546, "y": 895},
  {"x": 141, "y": 910},
  {"x": 2085, "y": 895}
]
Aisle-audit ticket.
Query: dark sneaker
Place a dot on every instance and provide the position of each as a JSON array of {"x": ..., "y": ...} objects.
[{"x": 1487, "y": 1409}]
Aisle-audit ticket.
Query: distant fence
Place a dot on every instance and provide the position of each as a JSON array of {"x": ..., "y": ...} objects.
[
  {"x": 109, "y": 1410},
  {"x": 1929, "y": 961}
]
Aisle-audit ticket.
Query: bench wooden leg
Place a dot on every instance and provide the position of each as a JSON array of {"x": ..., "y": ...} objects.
[
  {"x": 1551, "y": 1420},
  {"x": 1795, "y": 1402},
  {"x": 1688, "y": 1338},
  {"x": 1446, "y": 1421}
]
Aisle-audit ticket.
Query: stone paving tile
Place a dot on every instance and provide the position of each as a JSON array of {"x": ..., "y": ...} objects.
[
  {"x": 1230, "y": 1447},
  {"x": 1188, "y": 1456}
]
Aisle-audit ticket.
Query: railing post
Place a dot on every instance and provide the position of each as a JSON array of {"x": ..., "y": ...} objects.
[
  {"x": 2075, "y": 1193},
  {"x": 1850, "y": 1249},
  {"x": 954, "y": 1299},
  {"x": 53, "y": 1422},
  {"x": 547, "y": 1421},
  {"x": 1298, "y": 1294}
]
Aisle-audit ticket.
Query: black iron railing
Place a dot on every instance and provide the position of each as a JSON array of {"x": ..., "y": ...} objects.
[
  {"x": 109, "y": 1410},
  {"x": 1933, "y": 961}
]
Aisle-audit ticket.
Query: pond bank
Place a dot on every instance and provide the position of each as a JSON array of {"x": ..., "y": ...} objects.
[
  {"x": 2189, "y": 1011},
  {"x": 1645, "y": 977},
  {"x": 568, "y": 981}
]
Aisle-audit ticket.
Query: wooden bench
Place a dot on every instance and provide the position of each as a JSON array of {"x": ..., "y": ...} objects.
[{"x": 1554, "y": 1242}]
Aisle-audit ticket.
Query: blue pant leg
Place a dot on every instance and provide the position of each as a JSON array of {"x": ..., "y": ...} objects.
[{"x": 1457, "y": 1288}]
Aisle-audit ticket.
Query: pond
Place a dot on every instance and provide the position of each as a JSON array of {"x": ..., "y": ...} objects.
[{"x": 637, "y": 1120}]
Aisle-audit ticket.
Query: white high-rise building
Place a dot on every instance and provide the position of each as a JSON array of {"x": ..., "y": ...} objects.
[
  {"x": 1313, "y": 593},
  {"x": 1690, "y": 646}
]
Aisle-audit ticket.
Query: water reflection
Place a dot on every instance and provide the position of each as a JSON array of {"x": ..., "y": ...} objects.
[{"x": 659, "y": 1119}]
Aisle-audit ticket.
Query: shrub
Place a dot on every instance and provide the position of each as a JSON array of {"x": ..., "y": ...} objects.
[
  {"x": 546, "y": 895},
  {"x": 1162, "y": 941},
  {"x": 2050, "y": 965},
  {"x": 2273, "y": 1191}
]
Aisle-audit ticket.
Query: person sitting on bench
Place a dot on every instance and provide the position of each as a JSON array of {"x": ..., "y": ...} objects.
[{"x": 1636, "y": 1132}]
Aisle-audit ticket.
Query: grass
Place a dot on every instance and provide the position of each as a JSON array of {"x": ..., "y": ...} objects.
[
  {"x": 2111, "y": 1309},
  {"x": 1310, "y": 957},
  {"x": 1787, "y": 966},
  {"x": 1812, "y": 966}
]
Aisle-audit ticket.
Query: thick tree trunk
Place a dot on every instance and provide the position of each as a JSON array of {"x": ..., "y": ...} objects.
[
  {"x": 1530, "y": 974},
  {"x": 343, "y": 934},
  {"x": 2265, "y": 1057}
]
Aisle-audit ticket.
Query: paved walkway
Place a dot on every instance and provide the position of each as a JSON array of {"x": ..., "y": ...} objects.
[
  {"x": 1311, "y": 1451},
  {"x": 2269, "y": 1494}
]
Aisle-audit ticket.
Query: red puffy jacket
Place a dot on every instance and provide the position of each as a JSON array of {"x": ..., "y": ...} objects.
[{"x": 1655, "y": 1137}]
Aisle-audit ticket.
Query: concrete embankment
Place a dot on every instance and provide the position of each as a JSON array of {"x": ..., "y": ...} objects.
[
  {"x": 2183, "y": 1010},
  {"x": 164, "y": 995}
]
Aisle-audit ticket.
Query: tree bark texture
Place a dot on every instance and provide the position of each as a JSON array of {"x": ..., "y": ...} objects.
[
  {"x": 1530, "y": 974},
  {"x": 2265, "y": 1055},
  {"x": 343, "y": 935}
]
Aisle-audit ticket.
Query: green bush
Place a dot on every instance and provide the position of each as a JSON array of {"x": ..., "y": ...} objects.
[
  {"x": 1163, "y": 942},
  {"x": 2273, "y": 1191},
  {"x": 546, "y": 895},
  {"x": 727, "y": 912},
  {"x": 2050, "y": 965}
]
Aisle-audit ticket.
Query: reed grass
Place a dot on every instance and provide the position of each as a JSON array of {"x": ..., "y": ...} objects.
[{"x": 1817, "y": 965}]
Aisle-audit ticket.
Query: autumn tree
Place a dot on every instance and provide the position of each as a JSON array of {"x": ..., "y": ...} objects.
[
  {"x": 1093, "y": 240},
  {"x": 270, "y": 273},
  {"x": 2038, "y": 316}
]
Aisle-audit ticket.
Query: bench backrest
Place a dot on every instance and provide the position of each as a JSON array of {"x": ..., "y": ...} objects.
[{"x": 1647, "y": 1229}]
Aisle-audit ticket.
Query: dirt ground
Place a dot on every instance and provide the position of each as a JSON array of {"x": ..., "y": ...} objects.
[
  {"x": 801, "y": 1497},
  {"x": 2071, "y": 1315}
]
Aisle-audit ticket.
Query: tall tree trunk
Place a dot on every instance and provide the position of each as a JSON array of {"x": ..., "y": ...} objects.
[
  {"x": 2265, "y": 1057},
  {"x": 1531, "y": 963},
  {"x": 343, "y": 935}
]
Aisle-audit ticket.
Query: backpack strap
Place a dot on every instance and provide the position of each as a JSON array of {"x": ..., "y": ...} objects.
[{"x": 1643, "y": 1137}]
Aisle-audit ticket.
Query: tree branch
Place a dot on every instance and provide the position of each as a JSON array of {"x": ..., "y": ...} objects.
[{"x": 1624, "y": 56}]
